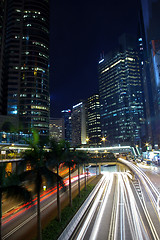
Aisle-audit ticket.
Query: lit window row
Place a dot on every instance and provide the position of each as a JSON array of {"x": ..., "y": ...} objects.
[
  {"x": 35, "y": 12},
  {"x": 114, "y": 64},
  {"x": 39, "y": 107}
]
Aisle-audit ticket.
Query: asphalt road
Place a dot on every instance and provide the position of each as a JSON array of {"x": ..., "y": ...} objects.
[
  {"x": 125, "y": 207},
  {"x": 22, "y": 223},
  {"x": 120, "y": 211}
]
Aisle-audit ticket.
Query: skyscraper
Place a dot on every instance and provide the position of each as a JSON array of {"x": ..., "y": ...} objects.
[
  {"x": 56, "y": 129},
  {"x": 93, "y": 119},
  {"x": 66, "y": 115},
  {"x": 149, "y": 25},
  {"x": 120, "y": 89},
  {"x": 155, "y": 80},
  {"x": 2, "y": 9},
  {"x": 25, "y": 76},
  {"x": 79, "y": 124}
]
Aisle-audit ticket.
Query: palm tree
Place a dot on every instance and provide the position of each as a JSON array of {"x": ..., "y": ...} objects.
[
  {"x": 69, "y": 162},
  {"x": 81, "y": 158},
  {"x": 55, "y": 158},
  {"x": 11, "y": 186},
  {"x": 36, "y": 156}
]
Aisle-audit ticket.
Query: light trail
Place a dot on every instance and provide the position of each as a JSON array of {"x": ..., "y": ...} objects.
[
  {"x": 149, "y": 220},
  {"x": 134, "y": 210},
  {"x": 33, "y": 215},
  {"x": 126, "y": 221},
  {"x": 84, "y": 228},
  {"x": 127, "y": 208},
  {"x": 115, "y": 213},
  {"x": 122, "y": 215},
  {"x": 97, "y": 223},
  {"x": 154, "y": 194},
  {"x": 21, "y": 209}
]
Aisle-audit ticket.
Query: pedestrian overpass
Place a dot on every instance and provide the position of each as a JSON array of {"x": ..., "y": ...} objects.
[{"x": 113, "y": 149}]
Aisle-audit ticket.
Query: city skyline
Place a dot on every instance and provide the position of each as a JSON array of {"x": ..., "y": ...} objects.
[
  {"x": 79, "y": 113},
  {"x": 24, "y": 68},
  {"x": 80, "y": 36},
  {"x": 80, "y": 32}
]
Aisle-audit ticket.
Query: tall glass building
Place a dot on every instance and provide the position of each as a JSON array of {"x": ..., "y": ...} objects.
[
  {"x": 66, "y": 115},
  {"x": 155, "y": 80},
  {"x": 93, "y": 120},
  {"x": 78, "y": 120},
  {"x": 120, "y": 89},
  {"x": 149, "y": 29},
  {"x": 26, "y": 71},
  {"x": 2, "y": 9}
]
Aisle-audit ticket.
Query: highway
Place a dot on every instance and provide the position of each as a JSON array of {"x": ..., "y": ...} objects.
[
  {"x": 21, "y": 223},
  {"x": 124, "y": 207},
  {"x": 147, "y": 186},
  {"x": 118, "y": 212}
]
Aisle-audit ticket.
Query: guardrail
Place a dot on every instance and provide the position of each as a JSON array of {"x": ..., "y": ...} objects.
[{"x": 69, "y": 230}]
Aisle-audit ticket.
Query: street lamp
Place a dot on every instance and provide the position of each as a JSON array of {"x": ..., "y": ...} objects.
[
  {"x": 103, "y": 139},
  {"x": 87, "y": 140}
]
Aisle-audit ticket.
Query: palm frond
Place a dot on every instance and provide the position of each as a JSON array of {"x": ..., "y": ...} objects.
[
  {"x": 51, "y": 178},
  {"x": 17, "y": 192},
  {"x": 10, "y": 179},
  {"x": 27, "y": 176},
  {"x": 2, "y": 173}
]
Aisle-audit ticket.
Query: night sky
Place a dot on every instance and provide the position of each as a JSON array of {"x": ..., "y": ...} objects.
[{"x": 80, "y": 31}]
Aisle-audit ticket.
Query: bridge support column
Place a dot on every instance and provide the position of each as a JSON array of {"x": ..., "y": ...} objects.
[{"x": 99, "y": 168}]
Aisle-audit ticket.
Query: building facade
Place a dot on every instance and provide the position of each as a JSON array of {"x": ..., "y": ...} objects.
[
  {"x": 66, "y": 115},
  {"x": 25, "y": 76},
  {"x": 93, "y": 120},
  {"x": 2, "y": 14},
  {"x": 120, "y": 89},
  {"x": 149, "y": 24},
  {"x": 56, "y": 129},
  {"x": 78, "y": 117},
  {"x": 155, "y": 80}
]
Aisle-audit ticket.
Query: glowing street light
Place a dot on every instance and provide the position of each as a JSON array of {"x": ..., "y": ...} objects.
[
  {"x": 87, "y": 140},
  {"x": 103, "y": 139}
]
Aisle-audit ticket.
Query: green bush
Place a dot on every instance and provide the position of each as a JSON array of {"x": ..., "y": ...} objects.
[{"x": 54, "y": 229}]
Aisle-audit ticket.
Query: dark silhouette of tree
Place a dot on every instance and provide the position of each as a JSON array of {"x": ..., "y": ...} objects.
[
  {"x": 80, "y": 158},
  {"x": 36, "y": 156},
  {"x": 54, "y": 159},
  {"x": 8, "y": 127},
  {"x": 12, "y": 187},
  {"x": 68, "y": 157}
]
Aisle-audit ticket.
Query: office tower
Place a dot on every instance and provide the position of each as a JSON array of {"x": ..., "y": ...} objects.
[
  {"x": 146, "y": 80},
  {"x": 151, "y": 19},
  {"x": 149, "y": 25},
  {"x": 78, "y": 117},
  {"x": 155, "y": 81},
  {"x": 26, "y": 63},
  {"x": 120, "y": 89},
  {"x": 56, "y": 129},
  {"x": 1, "y": 51},
  {"x": 66, "y": 115},
  {"x": 93, "y": 120}
]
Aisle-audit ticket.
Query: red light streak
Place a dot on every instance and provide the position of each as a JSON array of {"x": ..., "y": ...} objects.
[{"x": 21, "y": 209}]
